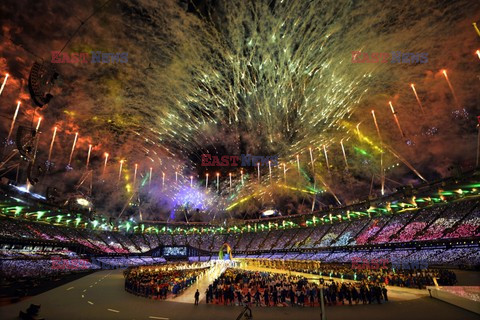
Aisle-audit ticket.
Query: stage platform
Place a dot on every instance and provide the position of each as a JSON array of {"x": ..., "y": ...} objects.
[{"x": 466, "y": 297}]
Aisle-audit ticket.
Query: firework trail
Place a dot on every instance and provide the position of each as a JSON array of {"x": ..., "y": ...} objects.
[
  {"x": 298, "y": 164},
  {"x": 120, "y": 170},
  {"x": 4, "y": 83},
  {"x": 150, "y": 177},
  {"x": 73, "y": 148},
  {"x": 344, "y": 154},
  {"x": 382, "y": 171},
  {"x": 135, "y": 175},
  {"x": 13, "y": 120},
  {"x": 258, "y": 171},
  {"x": 88, "y": 155},
  {"x": 51, "y": 144},
  {"x": 416, "y": 97},
  {"x": 451, "y": 88},
  {"x": 105, "y": 164},
  {"x": 326, "y": 157},
  {"x": 38, "y": 124},
  {"x": 396, "y": 120}
]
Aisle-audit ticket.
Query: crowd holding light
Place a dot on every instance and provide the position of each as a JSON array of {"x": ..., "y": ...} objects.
[{"x": 330, "y": 118}]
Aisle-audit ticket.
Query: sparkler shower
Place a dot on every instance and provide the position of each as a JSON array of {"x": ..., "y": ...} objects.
[{"x": 244, "y": 77}]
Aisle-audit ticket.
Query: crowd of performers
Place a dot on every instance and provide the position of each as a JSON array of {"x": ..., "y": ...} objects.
[
  {"x": 409, "y": 277},
  {"x": 160, "y": 282},
  {"x": 270, "y": 288},
  {"x": 239, "y": 287}
]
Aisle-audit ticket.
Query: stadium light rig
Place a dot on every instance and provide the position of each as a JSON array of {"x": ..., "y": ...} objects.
[
  {"x": 23, "y": 189},
  {"x": 84, "y": 202}
]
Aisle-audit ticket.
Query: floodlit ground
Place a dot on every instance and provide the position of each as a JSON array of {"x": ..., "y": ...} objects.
[{"x": 101, "y": 296}]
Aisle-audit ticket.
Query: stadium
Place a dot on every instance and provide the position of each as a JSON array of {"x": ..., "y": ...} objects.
[{"x": 243, "y": 159}]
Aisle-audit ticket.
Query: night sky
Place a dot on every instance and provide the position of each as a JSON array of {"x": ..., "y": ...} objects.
[{"x": 235, "y": 77}]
